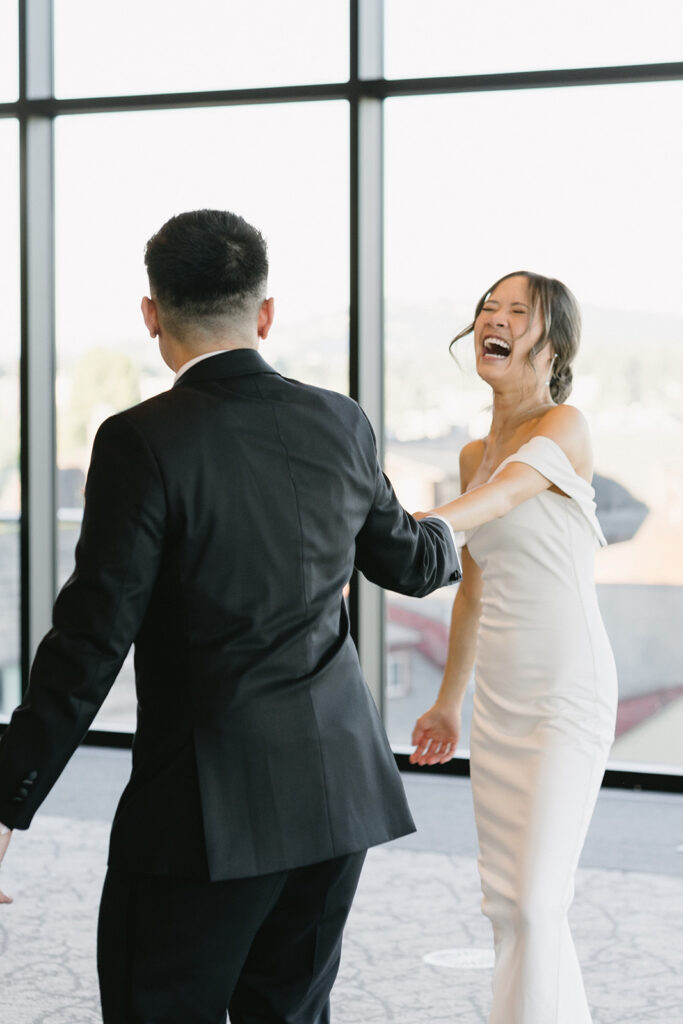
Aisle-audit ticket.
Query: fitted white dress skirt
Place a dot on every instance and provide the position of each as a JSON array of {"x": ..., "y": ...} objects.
[{"x": 543, "y": 724}]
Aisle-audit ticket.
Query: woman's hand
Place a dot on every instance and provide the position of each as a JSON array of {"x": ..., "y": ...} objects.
[{"x": 436, "y": 735}]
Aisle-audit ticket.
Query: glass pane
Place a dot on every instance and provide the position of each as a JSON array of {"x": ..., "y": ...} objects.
[
  {"x": 10, "y": 490},
  {"x": 583, "y": 185},
  {"x": 107, "y": 208},
  {"x": 491, "y": 37},
  {"x": 9, "y": 52},
  {"x": 157, "y": 46}
]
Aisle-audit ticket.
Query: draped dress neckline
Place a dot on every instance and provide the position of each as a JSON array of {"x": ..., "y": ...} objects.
[{"x": 549, "y": 458}]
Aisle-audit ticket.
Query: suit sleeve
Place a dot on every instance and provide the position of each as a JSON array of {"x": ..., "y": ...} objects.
[
  {"x": 96, "y": 618},
  {"x": 400, "y": 553}
]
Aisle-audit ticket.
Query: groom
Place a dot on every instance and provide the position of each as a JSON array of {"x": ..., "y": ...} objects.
[{"x": 222, "y": 520}]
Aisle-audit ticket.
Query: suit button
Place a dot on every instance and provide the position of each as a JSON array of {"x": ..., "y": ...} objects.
[
  {"x": 32, "y": 776},
  {"x": 16, "y": 800},
  {"x": 28, "y": 782},
  {"x": 23, "y": 793}
]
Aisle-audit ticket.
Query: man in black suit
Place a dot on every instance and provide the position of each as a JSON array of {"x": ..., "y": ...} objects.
[{"x": 222, "y": 520}]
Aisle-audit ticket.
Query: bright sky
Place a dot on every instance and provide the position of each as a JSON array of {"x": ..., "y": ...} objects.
[
  {"x": 446, "y": 37},
  {"x": 173, "y": 45},
  {"x": 9, "y": 238},
  {"x": 284, "y": 168},
  {"x": 581, "y": 183}
]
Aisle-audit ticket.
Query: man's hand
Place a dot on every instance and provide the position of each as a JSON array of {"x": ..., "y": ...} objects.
[
  {"x": 4, "y": 843},
  {"x": 436, "y": 736}
]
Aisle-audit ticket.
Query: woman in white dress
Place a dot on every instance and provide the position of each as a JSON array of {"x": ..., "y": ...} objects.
[{"x": 527, "y": 617}]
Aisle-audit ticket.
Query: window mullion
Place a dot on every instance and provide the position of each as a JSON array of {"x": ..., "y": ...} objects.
[
  {"x": 38, "y": 540},
  {"x": 367, "y": 286}
]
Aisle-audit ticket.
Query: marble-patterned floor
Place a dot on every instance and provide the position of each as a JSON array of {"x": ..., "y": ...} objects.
[
  {"x": 416, "y": 915},
  {"x": 627, "y": 928}
]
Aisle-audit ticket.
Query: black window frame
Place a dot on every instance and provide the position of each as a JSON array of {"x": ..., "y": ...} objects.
[{"x": 35, "y": 110}]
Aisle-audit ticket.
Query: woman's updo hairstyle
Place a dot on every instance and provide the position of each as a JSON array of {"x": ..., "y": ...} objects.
[{"x": 561, "y": 326}]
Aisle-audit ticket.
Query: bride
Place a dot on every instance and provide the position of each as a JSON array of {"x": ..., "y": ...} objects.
[{"x": 526, "y": 615}]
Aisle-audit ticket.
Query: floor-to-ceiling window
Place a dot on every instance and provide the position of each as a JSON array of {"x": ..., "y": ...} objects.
[
  {"x": 582, "y": 184},
  {"x": 486, "y": 142},
  {"x": 283, "y": 167},
  {"x": 10, "y": 336},
  {"x": 583, "y": 200},
  {"x": 120, "y": 174},
  {"x": 10, "y": 486}
]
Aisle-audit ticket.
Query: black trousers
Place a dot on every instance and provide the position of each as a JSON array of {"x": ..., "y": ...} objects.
[{"x": 264, "y": 949}]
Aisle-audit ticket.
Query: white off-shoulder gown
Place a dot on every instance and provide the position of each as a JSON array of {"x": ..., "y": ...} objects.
[{"x": 543, "y": 723}]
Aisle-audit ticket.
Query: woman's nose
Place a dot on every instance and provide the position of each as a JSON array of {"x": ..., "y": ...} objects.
[{"x": 497, "y": 319}]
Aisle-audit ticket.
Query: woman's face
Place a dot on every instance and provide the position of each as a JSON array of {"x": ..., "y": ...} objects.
[{"x": 505, "y": 332}]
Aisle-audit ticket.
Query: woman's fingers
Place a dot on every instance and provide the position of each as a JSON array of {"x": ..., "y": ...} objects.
[
  {"x": 421, "y": 743},
  {"x": 440, "y": 752},
  {"x": 435, "y": 750},
  {"x": 435, "y": 737},
  {"x": 432, "y": 746},
  {"x": 426, "y": 746}
]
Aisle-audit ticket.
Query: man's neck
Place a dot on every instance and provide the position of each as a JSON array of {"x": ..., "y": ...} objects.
[
  {"x": 177, "y": 355},
  {"x": 193, "y": 360}
]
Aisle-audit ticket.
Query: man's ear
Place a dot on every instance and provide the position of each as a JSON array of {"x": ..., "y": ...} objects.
[
  {"x": 265, "y": 318},
  {"x": 150, "y": 316}
]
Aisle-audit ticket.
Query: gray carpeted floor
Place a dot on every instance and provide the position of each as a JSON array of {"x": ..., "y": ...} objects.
[{"x": 416, "y": 948}]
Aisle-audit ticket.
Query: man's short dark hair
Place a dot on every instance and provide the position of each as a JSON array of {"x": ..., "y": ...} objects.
[{"x": 207, "y": 265}]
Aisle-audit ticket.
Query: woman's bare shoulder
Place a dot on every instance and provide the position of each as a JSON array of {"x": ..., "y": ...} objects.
[{"x": 567, "y": 426}]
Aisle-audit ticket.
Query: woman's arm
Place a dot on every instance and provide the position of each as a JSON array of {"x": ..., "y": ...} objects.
[
  {"x": 436, "y": 733},
  {"x": 513, "y": 485}
]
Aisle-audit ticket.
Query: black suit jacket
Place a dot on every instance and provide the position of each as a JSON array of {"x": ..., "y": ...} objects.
[{"x": 222, "y": 520}]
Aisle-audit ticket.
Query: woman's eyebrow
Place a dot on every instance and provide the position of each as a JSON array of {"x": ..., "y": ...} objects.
[{"x": 515, "y": 302}]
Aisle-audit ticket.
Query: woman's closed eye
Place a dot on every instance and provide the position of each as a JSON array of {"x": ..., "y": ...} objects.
[{"x": 494, "y": 309}]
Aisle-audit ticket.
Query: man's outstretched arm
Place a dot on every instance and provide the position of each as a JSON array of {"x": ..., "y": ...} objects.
[
  {"x": 397, "y": 552},
  {"x": 96, "y": 618}
]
